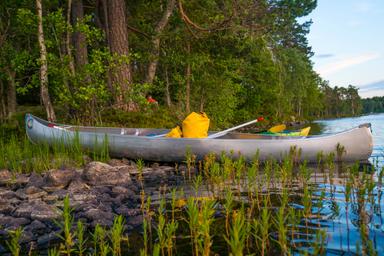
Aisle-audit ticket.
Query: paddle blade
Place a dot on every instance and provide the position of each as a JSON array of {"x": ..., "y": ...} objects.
[
  {"x": 305, "y": 131},
  {"x": 277, "y": 128}
]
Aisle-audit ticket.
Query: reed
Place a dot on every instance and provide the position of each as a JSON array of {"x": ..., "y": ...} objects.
[
  {"x": 100, "y": 244},
  {"x": 238, "y": 233},
  {"x": 65, "y": 225},
  {"x": 81, "y": 240},
  {"x": 192, "y": 211},
  {"x": 14, "y": 245},
  {"x": 117, "y": 235},
  {"x": 206, "y": 211}
]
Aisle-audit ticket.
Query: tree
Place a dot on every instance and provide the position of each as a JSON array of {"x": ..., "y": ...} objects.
[
  {"x": 44, "y": 66},
  {"x": 121, "y": 73}
]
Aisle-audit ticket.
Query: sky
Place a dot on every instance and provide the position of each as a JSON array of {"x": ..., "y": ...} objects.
[{"x": 347, "y": 37}]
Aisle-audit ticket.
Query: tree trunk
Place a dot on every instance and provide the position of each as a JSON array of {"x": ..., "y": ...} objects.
[
  {"x": 79, "y": 40},
  {"x": 3, "y": 112},
  {"x": 188, "y": 81},
  {"x": 121, "y": 75},
  {"x": 154, "y": 58},
  {"x": 44, "y": 66},
  {"x": 11, "y": 93},
  {"x": 68, "y": 40},
  {"x": 202, "y": 100},
  {"x": 167, "y": 93}
]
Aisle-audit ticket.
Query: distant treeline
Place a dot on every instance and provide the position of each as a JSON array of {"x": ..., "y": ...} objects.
[
  {"x": 341, "y": 101},
  {"x": 373, "y": 105}
]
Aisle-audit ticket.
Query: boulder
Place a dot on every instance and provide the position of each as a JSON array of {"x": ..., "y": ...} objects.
[
  {"x": 44, "y": 212},
  {"x": 48, "y": 238},
  {"x": 36, "y": 180},
  {"x": 77, "y": 186},
  {"x": 98, "y": 174},
  {"x": 5, "y": 177},
  {"x": 98, "y": 215},
  {"x": 5, "y": 206},
  {"x": 37, "y": 210},
  {"x": 36, "y": 227},
  {"x": 59, "y": 177},
  {"x": 6, "y": 194},
  {"x": 10, "y": 222}
]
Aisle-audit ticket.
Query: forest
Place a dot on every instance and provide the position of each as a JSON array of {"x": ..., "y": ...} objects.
[
  {"x": 373, "y": 105},
  {"x": 90, "y": 60}
]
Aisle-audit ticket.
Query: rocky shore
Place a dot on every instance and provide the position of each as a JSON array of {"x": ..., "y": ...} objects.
[{"x": 98, "y": 192}]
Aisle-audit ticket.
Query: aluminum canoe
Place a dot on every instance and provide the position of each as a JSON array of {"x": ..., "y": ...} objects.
[{"x": 135, "y": 143}]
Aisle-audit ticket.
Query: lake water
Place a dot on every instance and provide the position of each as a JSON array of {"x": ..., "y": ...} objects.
[
  {"x": 377, "y": 122},
  {"x": 343, "y": 223}
]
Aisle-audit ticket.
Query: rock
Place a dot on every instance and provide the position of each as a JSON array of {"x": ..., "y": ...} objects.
[
  {"x": 36, "y": 227},
  {"x": 97, "y": 214},
  {"x": 81, "y": 198},
  {"x": 126, "y": 212},
  {"x": 44, "y": 212},
  {"x": 26, "y": 237},
  {"x": 5, "y": 177},
  {"x": 51, "y": 189},
  {"x": 6, "y": 194},
  {"x": 61, "y": 193},
  {"x": 33, "y": 192},
  {"x": 37, "y": 210},
  {"x": 6, "y": 207},
  {"x": 21, "y": 180},
  {"x": 30, "y": 193},
  {"x": 135, "y": 221},
  {"x": 9, "y": 222},
  {"x": 77, "y": 186},
  {"x": 48, "y": 238},
  {"x": 24, "y": 210},
  {"x": 59, "y": 177},
  {"x": 118, "y": 162},
  {"x": 155, "y": 165},
  {"x": 20, "y": 193},
  {"x": 50, "y": 198},
  {"x": 120, "y": 190},
  {"x": 35, "y": 180},
  {"x": 97, "y": 173}
]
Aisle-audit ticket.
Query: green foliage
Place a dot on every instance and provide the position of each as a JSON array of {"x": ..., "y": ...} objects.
[
  {"x": 246, "y": 60},
  {"x": 13, "y": 245},
  {"x": 373, "y": 105}
]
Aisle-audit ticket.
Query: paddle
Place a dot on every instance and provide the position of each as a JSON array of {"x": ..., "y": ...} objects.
[{"x": 222, "y": 133}]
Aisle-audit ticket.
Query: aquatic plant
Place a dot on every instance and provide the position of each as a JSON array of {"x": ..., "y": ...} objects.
[
  {"x": 81, "y": 240},
  {"x": 14, "y": 245},
  {"x": 238, "y": 233},
  {"x": 117, "y": 235},
  {"x": 66, "y": 228}
]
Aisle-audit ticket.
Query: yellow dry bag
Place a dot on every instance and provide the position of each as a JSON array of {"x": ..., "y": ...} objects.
[
  {"x": 175, "y": 133},
  {"x": 196, "y": 125}
]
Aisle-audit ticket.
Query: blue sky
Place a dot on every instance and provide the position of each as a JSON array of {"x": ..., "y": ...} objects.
[{"x": 347, "y": 37}]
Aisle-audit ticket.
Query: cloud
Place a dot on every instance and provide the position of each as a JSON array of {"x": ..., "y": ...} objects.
[
  {"x": 326, "y": 55},
  {"x": 372, "y": 86},
  {"x": 363, "y": 7},
  {"x": 346, "y": 62},
  {"x": 372, "y": 89}
]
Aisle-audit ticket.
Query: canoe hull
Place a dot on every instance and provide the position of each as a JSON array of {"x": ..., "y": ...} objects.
[{"x": 357, "y": 143}]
